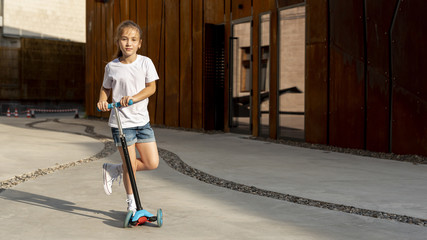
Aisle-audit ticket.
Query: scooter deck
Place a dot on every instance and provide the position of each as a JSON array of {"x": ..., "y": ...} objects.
[{"x": 141, "y": 217}]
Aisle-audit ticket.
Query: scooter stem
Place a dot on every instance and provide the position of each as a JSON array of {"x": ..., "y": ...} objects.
[{"x": 127, "y": 160}]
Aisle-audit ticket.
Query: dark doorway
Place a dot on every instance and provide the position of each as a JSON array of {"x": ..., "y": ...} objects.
[{"x": 213, "y": 75}]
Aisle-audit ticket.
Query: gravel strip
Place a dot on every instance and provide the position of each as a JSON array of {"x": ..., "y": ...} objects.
[
  {"x": 109, "y": 148},
  {"x": 176, "y": 163}
]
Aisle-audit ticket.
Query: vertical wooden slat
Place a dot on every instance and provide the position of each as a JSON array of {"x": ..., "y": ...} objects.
[
  {"x": 227, "y": 32},
  {"x": 379, "y": 15},
  {"x": 133, "y": 10},
  {"x": 197, "y": 26},
  {"x": 409, "y": 88},
  {"x": 104, "y": 58},
  {"x": 124, "y": 10},
  {"x": 286, "y": 3},
  {"x": 214, "y": 11},
  {"x": 116, "y": 14},
  {"x": 116, "y": 22},
  {"x": 263, "y": 6},
  {"x": 255, "y": 74},
  {"x": 316, "y": 72},
  {"x": 185, "y": 77},
  {"x": 89, "y": 76},
  {"x": 273, "y": 118},
  {"x": 99, "y": 71},
  {"x": 241, "y": 8},
  {"x": 102, "y": 43},
  {"x": 172, "y": 63},
  {"x": 109, "y": 34},
  {"x": 347, "y": 81},
  {"x": 141, "y": 20},
  {"x": 155, "y": 51}
]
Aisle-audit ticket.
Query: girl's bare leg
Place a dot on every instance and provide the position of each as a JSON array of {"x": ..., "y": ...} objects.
[{"x": 149, "y": 160}]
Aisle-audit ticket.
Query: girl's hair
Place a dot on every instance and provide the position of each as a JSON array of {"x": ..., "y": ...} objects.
[{"x": 119, "y": 31}]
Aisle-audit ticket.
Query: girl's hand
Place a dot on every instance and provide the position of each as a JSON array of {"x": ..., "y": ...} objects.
[
  {"x": 125, "y": 101},
  {"x": 103, "y": 106}
]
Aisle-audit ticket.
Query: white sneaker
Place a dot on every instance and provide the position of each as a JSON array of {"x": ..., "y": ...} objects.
[
  {"x": 131, "y": 206},
  {"x": 111, "y": 172}
]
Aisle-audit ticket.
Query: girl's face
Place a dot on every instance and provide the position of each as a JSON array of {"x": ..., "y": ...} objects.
[{"x": 129, "y": 42}]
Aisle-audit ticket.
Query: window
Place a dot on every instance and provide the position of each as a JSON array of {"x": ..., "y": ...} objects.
[{"x": 245, "y": 76}]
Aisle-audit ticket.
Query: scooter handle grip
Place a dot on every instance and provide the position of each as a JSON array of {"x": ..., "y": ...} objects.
[{"x": 117, "y": 104}]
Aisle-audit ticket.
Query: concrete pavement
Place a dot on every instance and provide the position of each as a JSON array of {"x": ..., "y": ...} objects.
[{"x": 71, "y": 204}]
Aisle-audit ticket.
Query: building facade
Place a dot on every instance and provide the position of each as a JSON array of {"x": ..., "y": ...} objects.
[{"x": 342, "y": 73}]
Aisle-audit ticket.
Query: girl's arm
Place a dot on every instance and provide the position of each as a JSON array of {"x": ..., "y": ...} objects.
[
  {"x": 103, "y": 97},
  {"x": 148, "y": 91}
]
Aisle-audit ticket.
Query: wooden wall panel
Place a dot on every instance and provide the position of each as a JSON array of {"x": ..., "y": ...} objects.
[
  {"x": 349, "y": 92},
  {"x": 172, "y": 63},
  {"x": 409, "y": 93},
  {"x": 133, "y": 7},
  {"x": 347, "y": 87},
  {"x": 274, "y": 68},
  {"x": 241, "y": 9},
  {"x": 141, "y": 20},
  {"x": 124, "y": 10},
  {"x": 287, "y": 3},
  {"x": 227, "y": 32},
  {"x": 197, "y": 28},
  {"x": 214, "y": 11},
  {"x": 109, "y": 30},
  {"x": 116, "y": 18},
  {"x": 255, "y": 109},
  {"x": 102, "y": 47},
  {"x": 185, "y": 64},
  {"x": 263, "y": 6},
  {"x": 89, "y": 59},
  {"x": 316, "y": 72},
  {"x": 379, "y": 15},
  {"x": 155, "y": 51},
  {"x": 99, "y": 69}
]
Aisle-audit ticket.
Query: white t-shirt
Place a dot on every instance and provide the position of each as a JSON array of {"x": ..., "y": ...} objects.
[{"x": 128, "y": 80}]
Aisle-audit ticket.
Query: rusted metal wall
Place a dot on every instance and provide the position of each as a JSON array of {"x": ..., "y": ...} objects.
[{"x": 372, "y": 73}]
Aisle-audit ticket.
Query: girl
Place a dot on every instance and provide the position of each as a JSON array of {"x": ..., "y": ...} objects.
[{"x": 130, "y": 77}]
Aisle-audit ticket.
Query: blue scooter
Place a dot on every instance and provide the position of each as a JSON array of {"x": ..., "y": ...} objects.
[{"x": 141, "y": 216}]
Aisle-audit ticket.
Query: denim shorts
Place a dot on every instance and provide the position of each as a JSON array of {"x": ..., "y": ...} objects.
[{"x": 142, "y": 134}]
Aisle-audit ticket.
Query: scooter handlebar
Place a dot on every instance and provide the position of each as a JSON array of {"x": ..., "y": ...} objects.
[{"x": 117, "y": 104}]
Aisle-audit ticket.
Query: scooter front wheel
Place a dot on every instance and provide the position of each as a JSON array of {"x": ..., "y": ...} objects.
[
  {"x": 159, "y": 217},
  {"x": 127, "y": 219}
]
